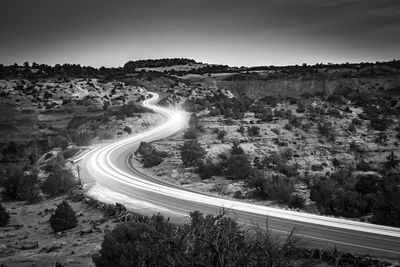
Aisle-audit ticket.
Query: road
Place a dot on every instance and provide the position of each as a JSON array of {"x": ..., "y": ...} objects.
[{"x": 109, "y": 167}]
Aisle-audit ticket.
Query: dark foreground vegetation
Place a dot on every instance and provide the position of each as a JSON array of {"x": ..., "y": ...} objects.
[{"x": 208, "y": 240}]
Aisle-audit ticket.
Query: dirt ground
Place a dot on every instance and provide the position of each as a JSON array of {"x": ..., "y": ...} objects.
[{"x": 28, "y": 240}]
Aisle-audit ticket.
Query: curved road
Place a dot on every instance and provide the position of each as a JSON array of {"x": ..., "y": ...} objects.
[{"x": 109, "y": 167}]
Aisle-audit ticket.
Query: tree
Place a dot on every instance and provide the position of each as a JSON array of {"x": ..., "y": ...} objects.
[
  {"x": 64, "y": 218},
  {"x": 190, "y": 133},
  {"x": 144, "y": 242},
  {"x": 127, "y": 129},
  {"x": 205, "y": 240},
  {"x": 60, "y": 141},
  {"x": 4, "y": 216},
  {"x": 208, "y": 169},
  {"x": 238, "y": 167},
  {"x": 59, "y": 182},
  {"x": 20, "y": 185},
  {"x": 387, "y": 210},
  {"x": 236, "y": 149},
  {"x": 192, "y": 153},
  {"x": 253, "y": 130},
  {"x": 150, "y": 156},
  {"x": 221, "y": 134}
]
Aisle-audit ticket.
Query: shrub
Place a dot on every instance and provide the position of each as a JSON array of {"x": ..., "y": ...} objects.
[
  {"x": 296, "y": 202},
  {"x": 208, "y": 169},
  {"x": 301, "y": 108},
  {"x": 70, "y": 152},
  {"x": 64, "y": 218},
  {"x": 4, "y": 216},
  {"x": 253, "y": 130},
  {"x": 127, "y": 129},
  {"x": 335, "y": 162},
  {"x": 241, "y": 129},
  {"x": 288, "y": 127},
  {"x": 387, "y": 210},
  {"x": 59, "y": 182},
  {"x": 150, "y": 156},
  {"x": 317, "y": 167},
  {"x": 190, "y": 133},
  {"x": 19, "y": 185},
  {"x": 146, "y": 242},
  {"x": 221, "y": 134},
  {"x": 279, "y": 188},
  {"x": 192, "y": 153},
  {"x": 206, "y": 240},
  {"x": 238, "y": 167},
  {"x": 60, "y": 141},
  {"x": 352, "y": 128}
]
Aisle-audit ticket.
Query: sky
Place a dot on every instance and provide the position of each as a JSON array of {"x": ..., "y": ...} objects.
[{"x": 233, "y": 32}]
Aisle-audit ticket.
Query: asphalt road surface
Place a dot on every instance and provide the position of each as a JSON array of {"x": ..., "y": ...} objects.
[{"x": 109, "y": 166}]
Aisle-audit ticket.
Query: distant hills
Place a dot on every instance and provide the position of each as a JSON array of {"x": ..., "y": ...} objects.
[{"x": 182, "y": 66}]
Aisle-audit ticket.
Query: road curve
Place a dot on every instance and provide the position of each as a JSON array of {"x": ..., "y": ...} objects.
[{"x": 108, "y": 166}]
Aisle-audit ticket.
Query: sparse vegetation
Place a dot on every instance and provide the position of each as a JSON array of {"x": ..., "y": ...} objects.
[
  {"x": 60, "y": 181},
  {"x": 64, "y": 218},
  {"x": 205, "y": 240},
  {"x": 4, "y": 216},
  {"x": 149, "y": 155}
]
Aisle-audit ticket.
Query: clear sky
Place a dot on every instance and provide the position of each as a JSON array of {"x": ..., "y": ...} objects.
[{"x": 233, "y": 32}]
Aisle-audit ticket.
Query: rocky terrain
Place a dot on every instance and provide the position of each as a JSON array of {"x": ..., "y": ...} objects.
[{"x": 321, "y": 136}]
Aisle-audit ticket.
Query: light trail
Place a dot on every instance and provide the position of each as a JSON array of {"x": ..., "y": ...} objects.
[{"x": 104, "y": 165}]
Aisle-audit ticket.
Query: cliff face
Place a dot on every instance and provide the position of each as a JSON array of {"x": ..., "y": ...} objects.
[{"x": 296, "y": 86}]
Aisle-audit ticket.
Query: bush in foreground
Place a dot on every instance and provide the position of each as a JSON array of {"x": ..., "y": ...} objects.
[
  {"x": 64, "y": 218},
  {"x": 204, "y": 241},
  {"x": 4, "y": 216},
  {"x": 59, "y": 182}
]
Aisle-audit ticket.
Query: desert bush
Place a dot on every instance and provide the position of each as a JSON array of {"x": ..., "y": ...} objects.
[
  {"x": 296, "y": 201},
  {"x": 317, "y": 167},
  {"x": 337, "y": 196},
  {"x": 4, "y": 216},
  {"x": 206, "y": 240},
  {"x": 238, "y": 167},
  {"x": 192, "y": 153},
  {"x": 70, "y": 152},
  {"x": 208, "y": 169},
  {"x": 60, "y": 141},
  {"x": 269, "y": 186},
  {"x": 150, "y": 156},
  {"x": 190, "y": 133},
  {"x": 127, "y": 110},
  {"x": 356, "y": 122},
  {"x": 326, "y": 129},
  {"x": 19, "y": 184},
  {"x": 127, "y": 129},
  {"x": 82, "y": 139},
  {"x": 334, "y": 113},
  {"x": 278, "y": 188},
  {"x": 59, "y": 182},
  {"x": 241, "y": 129},
  {"x": 387, "y": 209},
  {"x": 352, "y": 128},
  {"x": 64, "y": 218},
  {"x": 145, "y": 242},
  {"x": 301, "y": 107},
  {"x": 288, "y": 127},
  {"x": 253, "y": 130},
  {"x": 221, "y": 134},
  {"x": 306, "y": 127},
  {"x": 335, "y": 162}
]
